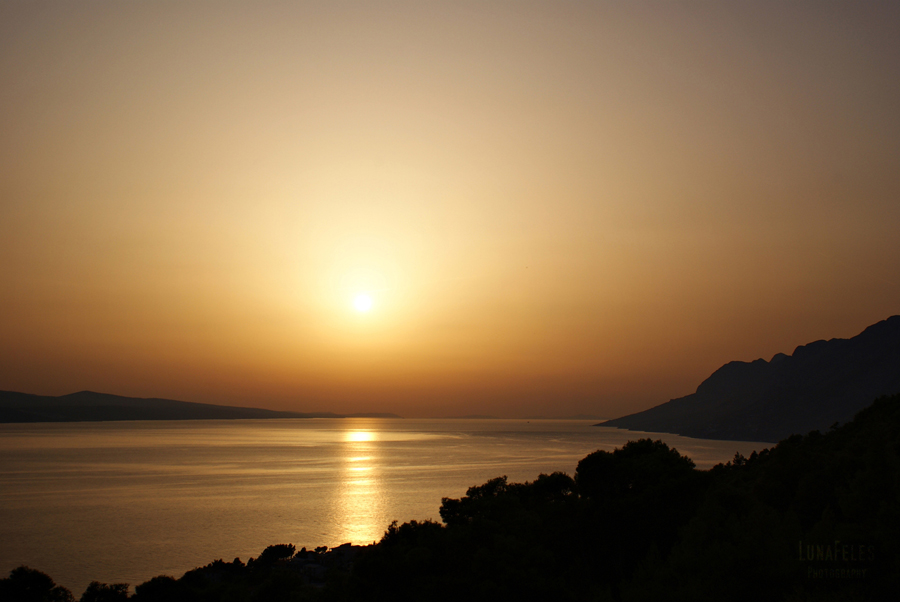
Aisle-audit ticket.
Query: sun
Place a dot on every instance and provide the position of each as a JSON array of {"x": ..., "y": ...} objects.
[{"x": 362, "y": 302}]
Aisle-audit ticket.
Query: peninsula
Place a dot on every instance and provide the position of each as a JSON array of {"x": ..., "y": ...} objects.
[
  {"x": 88, "y": 406},
  {"x": 820, "y": 384}
]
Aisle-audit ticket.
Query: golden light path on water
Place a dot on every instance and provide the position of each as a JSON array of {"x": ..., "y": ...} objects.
[{"x": 360, "y": 500}]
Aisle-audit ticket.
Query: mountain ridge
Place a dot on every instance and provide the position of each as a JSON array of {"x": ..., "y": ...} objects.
[
  {"x": 90, "y": 406},
  {"x": 819, "y": 384}
]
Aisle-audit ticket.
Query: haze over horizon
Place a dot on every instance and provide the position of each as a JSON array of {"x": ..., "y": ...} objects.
[{"x": 438, "y": 209}]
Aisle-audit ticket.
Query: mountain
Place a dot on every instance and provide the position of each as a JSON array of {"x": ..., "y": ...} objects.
[
  {"x": 470, "y": 417},
  {"x": 88, "y": 406},
  {"x": 818, "y": 385}
]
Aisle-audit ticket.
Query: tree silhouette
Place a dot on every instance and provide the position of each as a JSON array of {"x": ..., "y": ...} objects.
[
  {"x": 103, "y": 592},
  {"x": 25, "y": 584},
  {"x": 271, "y": 554}
]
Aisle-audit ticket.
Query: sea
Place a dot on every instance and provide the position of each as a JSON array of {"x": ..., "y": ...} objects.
[{"x": 122, "y": 502}]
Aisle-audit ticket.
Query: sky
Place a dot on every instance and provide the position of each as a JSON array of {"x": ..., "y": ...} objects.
[{"x": 548, "y": 208}]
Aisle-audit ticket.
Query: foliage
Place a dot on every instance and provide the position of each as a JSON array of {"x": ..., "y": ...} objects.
[
  {"x": 816, "y": 517},
  {"x": 550, "y": 538},
  {"x": 103, "y": 592},
  {"x": 272, "y": 554},
  {"x": 25, "y": 584},
  {"x": 640, "y": 523},
  {"x": 760, "y": 515},
  {"x": 269, "y": 578}
]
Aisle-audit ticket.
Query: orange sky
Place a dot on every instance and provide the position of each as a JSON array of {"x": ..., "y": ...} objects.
[{"x": 556, "y": 207}]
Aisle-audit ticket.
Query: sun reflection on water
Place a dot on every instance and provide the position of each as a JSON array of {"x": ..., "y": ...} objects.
[{"x": 360, "y": 501}]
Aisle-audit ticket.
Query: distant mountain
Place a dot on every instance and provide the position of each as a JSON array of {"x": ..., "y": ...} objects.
[
  {"x": 470, "y": 417},
  {"x": 818, "y": 385},
  {"x": 88, "y": 406},
  {"x": 369, "y": 415}
]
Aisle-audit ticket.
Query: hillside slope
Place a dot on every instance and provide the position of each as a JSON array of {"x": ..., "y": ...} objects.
[
  {"x": 819, "y": 384},
  {"x": 88, "y": 406}
]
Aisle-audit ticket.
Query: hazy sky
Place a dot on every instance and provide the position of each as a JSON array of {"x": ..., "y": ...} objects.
[{"x": 555, "y": 207}]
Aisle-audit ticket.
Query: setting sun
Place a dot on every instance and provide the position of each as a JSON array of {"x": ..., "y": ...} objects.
[{"x": 362, "y": 302}]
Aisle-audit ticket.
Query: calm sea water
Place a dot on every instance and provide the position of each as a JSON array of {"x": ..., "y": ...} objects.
[{"x": 126, "y": 501}]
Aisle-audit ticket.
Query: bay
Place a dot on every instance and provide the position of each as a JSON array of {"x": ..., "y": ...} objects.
[{"x": 126, "y": 501}]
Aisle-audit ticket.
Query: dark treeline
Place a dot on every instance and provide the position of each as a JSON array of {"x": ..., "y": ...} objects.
[{"x": 816, "y": 517}]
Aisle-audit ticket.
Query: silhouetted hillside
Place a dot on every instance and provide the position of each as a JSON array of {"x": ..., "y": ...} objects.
[
  {"x": 813, "y": 518},
  {"x": 819, "y": 384},
  {"x": 88, "y": 406}
]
